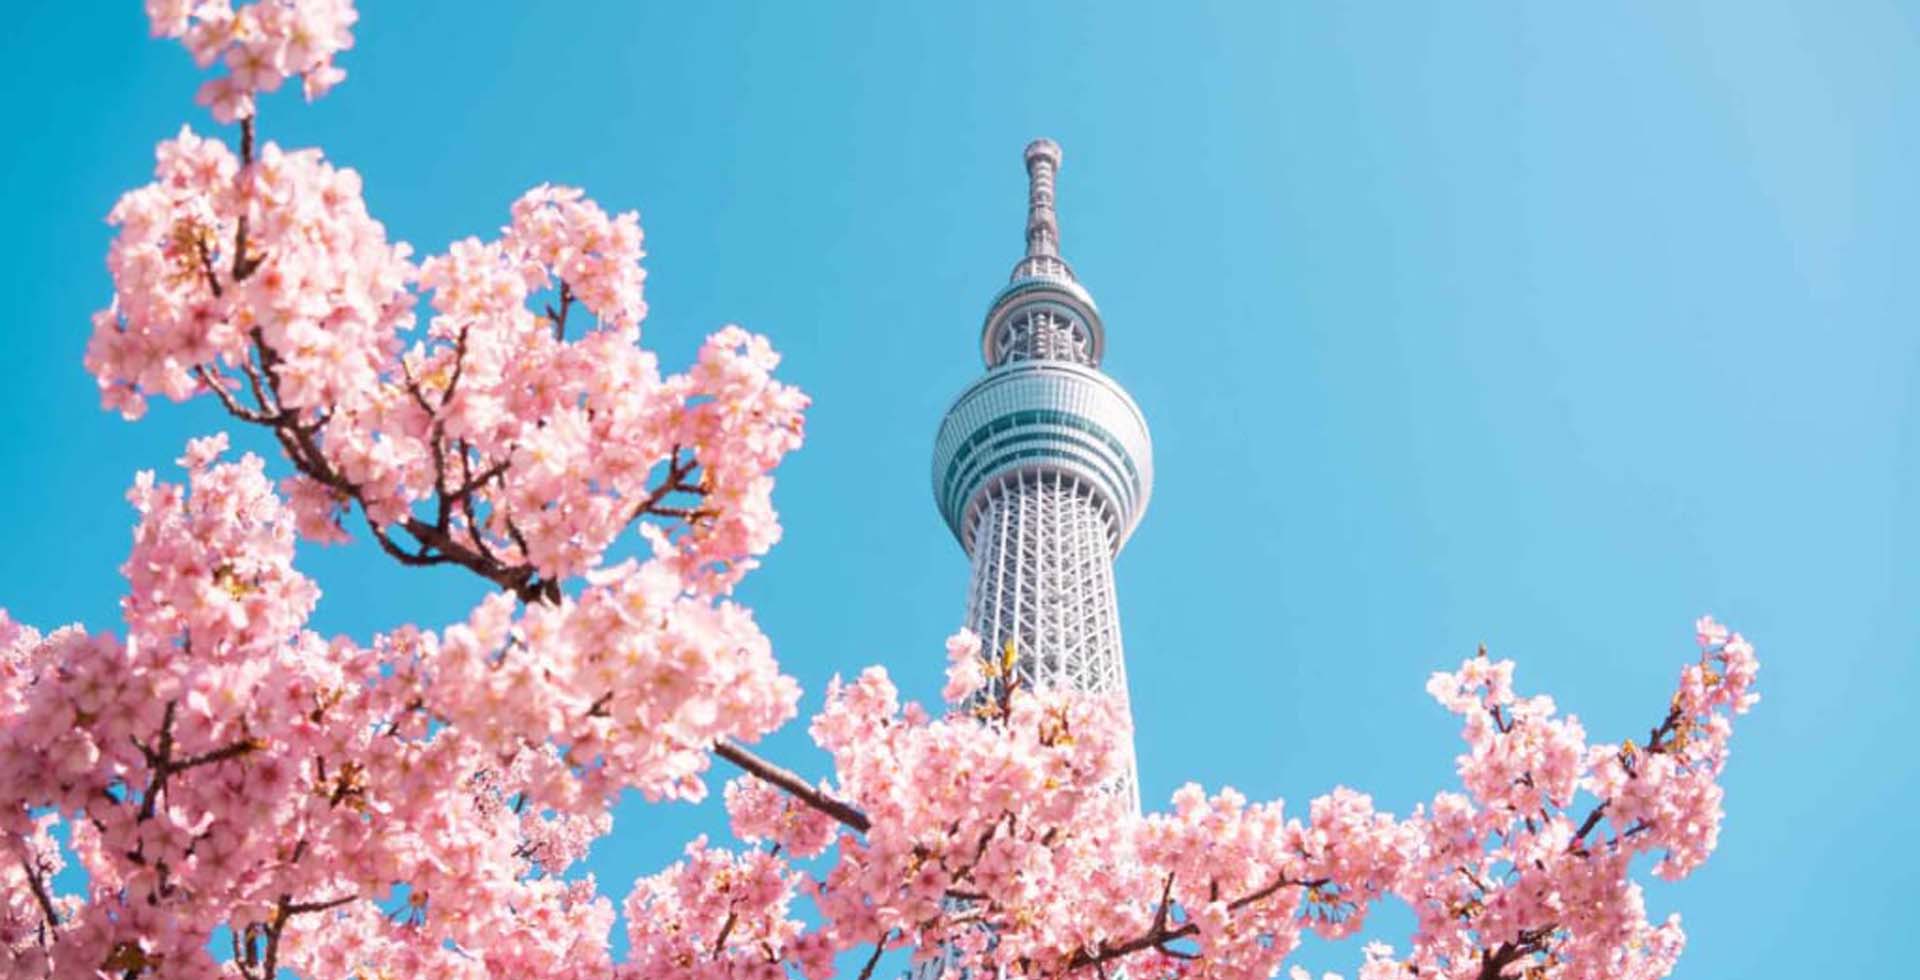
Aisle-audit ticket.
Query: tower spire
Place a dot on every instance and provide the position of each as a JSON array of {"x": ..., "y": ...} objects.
[
  {"x": 1042, "y": 260},
  {"x": 1043, "y": 226}
]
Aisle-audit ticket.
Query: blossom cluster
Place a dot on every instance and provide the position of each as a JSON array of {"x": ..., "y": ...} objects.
[
  {"x": 1517, "y": 870},
  {"x": 1004, "y": 845},
  {"x": 225, "y": 766},
  {"x": 262, "y": 45},
  {"x": 991, "y": 838},
  {"x": 266, "y": 284},
  {"x": 997, "y": 821},
  {"x": 217, "y": 260},
  {"x": 634, "y": 678},
  {"x": 717, "y": 916}
]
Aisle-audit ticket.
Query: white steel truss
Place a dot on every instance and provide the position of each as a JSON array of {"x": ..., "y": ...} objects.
[{"x": 1043, "y": 582}]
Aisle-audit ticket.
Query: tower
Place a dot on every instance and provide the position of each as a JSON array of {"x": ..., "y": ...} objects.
[{"x": 1042, "y": 469}]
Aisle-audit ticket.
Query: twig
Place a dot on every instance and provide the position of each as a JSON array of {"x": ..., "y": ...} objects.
[
  {"x": 40, "y": 894},
  {"x": 866, "y": 972},
  {"x": 160, "y": 759}
]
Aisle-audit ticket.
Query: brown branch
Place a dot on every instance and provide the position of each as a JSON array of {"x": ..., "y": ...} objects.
[
  {"x": 796, "y": 787},
  {"x": 438, "y": 544},
  {"x": 221, "y": 754},
  {"x": 676, "y": 482},
  {"x": 459, "y": 365},
  {"x": 466, "y": 501},
  {"x": 40, "y": 894},
  {"x": 287, "y": 909},
  {"x": 1493, "y": 963},
  {"x": 521, "y": 580},
  {"x": 691, "y": 515},
  {"x": 242, "y": 265},
  {"x": 206, "y": 262},
  {"x": 473, "y": 482},
  {"x": 1166, "y": 905},
  {"x": 1470, "y": 876},
  {"x": 560, "y": 318},
  {"x": 413, "y": 388},
  {"x": 1158, "y": 935},
  {"x": 271, "y": 970},
  {"x": 1587, "y": 825},
  {"x": 598, "y": 709},
  {"x": 1663, "y": 729},
  {"x": 301, "y": 908},
  {"x": 156, "y": 760},
  {"x": 866, "y": 972},
  {"x": 232, "y": 405},
  {"x": 160, "y": 759}
]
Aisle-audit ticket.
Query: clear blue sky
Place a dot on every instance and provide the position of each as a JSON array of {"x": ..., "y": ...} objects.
[{"x": 1548, "y": 326}]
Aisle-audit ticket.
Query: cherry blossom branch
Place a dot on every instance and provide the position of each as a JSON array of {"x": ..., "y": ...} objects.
[
  {"x": 559, "y": 317},
  {"x": 243, "y": 266},
  {"x": 269, "y": 958},
  {"x": 1159, "y": 934},
  {"x": 1493, "y": 964},
  {"x": 227, "y": 400},
  {"x": 1655, "y": 737},
  {"x": 160, "y": 759},
  {"x": 439, "y": 542},
  {"x": 40, "y": 893},
  {"x": 675, "y": 482},
  {"x": 1664, "y": 738},
  {"x": 206, "y": 264},
  {"x": 436, "y": 541},
  {"x": 866, "y": 972},
  {"x": 796, "y": 787}
]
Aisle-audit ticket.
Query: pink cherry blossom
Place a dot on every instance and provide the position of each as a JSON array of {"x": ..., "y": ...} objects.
[
  {"x": 418, "y": 802},
  {"x": 262, "y": 44}
]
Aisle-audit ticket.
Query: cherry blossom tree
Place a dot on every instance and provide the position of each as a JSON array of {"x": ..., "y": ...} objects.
[{"x": 246, "y": 798}]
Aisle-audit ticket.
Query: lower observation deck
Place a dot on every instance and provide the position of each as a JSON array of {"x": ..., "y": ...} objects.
[{"x": 1053, "y": 417}]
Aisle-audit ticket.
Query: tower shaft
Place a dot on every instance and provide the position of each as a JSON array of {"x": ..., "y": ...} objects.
[{"x": 1043, "y": 587}]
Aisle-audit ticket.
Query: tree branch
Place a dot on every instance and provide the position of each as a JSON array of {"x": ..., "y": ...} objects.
[
  {"x": 232, "y": 405},
  {"x": 1587, "y": 825},
  {"x": 1158, "y": 935},
  {"x": 559, "y": 317},
  {"x": 866, "y": 972},
  {"x": 40, "y": 894},
  {"x": 160, "y": 759},
  {"x": 287, "y": 909},
  {"x": 796, "y": 787}
]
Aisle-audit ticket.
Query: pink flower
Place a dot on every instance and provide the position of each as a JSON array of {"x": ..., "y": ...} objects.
[{"x": 965, "y": 670}]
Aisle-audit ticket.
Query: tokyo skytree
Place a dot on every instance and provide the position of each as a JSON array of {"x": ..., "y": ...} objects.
[{"x": 1042, "y": 469}]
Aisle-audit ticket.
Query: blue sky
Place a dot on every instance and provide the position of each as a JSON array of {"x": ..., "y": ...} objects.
[{"x": 1546, "y": 327}]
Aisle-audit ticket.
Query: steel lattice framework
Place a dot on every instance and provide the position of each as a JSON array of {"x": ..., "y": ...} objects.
[
  {"x": 1043, "y": 468},
  {"x": 1043, "y": 578}
]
